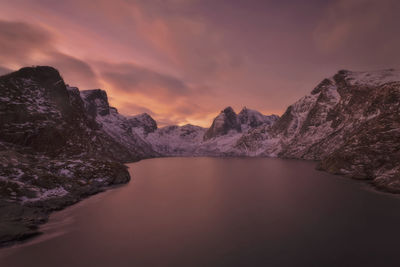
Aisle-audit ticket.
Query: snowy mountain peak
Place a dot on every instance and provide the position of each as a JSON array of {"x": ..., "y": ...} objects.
[
  {"x": 143, "y": 121},
  {"x": 367, "y": 78},
  {"x": 250, "y": 118},
  {"x": 225, "y": 122},
  {"x": 228, "y": 110},
  {"x": 121, "y": 129},
  {"x": 96, "y": 102}
]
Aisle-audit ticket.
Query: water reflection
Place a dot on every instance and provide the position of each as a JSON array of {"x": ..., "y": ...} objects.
[{"x": 221, "y": 212}]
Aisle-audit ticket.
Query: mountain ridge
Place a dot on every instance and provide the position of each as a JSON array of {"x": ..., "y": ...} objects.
[
  {"x": 59, "y": 144},
  {"x": 53, "y": 153}
]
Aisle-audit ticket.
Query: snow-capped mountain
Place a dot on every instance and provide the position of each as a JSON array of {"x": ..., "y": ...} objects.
[
  {"x": 224, "y": 123},
  {"x": 58, "y": 145},
  {"x": 249, "y": 118},
  {"x": 350, "y": 122},
  {"x": 228, "y": 121},
  {"x": 143, "y": 124},
  {"x": 121, "y": 129},
  {"x": 218, "y": 140},
  {"x": 52, "y": 152},
  {"x": 177, "y": 140}
]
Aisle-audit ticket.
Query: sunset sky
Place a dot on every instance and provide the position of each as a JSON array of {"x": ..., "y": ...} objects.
[{"x": 182, "y": 61}]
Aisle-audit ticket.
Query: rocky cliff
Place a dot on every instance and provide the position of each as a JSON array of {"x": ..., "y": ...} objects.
[
  {"x": 224, "y": 123},
  {"x": 143, "y": 123},
  {"x": 53, "y": 151},
  {"x": 218, "y": 140},
  {"x": 122, "y": 130},
  {"x": 349, "y": 122}
]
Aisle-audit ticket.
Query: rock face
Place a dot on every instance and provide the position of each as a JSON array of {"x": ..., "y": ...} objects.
[
  {"x": 249, "y": 119},
  {"x": 177, "y": 140},
  {"x": 228, "y": 121},
  {"x": 53, "y": 151},
  {"x": 225, "y": 122},
  {"x": 119, "y": 128},
  {"x": 144, "y": 123},
  {"x": 96, "y": 102},
  {"x": 218, "y": 140},
  {"x": 349, "y": 122}
]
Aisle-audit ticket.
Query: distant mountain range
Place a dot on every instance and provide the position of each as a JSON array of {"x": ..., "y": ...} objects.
[{"x": 59, "y": 144}]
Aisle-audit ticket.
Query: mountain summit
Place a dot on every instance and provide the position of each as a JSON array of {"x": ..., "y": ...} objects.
[{"x": 225, "y": 122}]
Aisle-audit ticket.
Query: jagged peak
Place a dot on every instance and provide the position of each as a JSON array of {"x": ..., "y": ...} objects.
[
  {"x": 142, "y": 115},
  {"x": 39, "y": 71},
  {"x": 322, "y": 85},
  {"x": 45, "y": 76},
  {"x": 144, "y": 121},
  {"x": 367, "y": 78},
  {"x": 244, "y": 110},
  {"x": 228, "y": 109},
  {"x": 94, "y": 93},
  {"x": 96, "y": 102}
]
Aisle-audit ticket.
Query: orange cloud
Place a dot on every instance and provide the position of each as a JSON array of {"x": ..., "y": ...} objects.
[{"x": 184, "y": 61}]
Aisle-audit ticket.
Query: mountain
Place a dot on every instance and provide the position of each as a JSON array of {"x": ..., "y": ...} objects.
[
  {"x": 119, "y": 128},
  {"x": 55, "y": 148},
  {"x": 143, "y": 123},
  {"x": 218, "y": 140},
  {"x": 59, "y": 145},
  {"x": 249, "y": 119},
  {"x": 177, "y": 140},
  {"x": 349, "y": 122},
  {"x": 225, "y": 122}
]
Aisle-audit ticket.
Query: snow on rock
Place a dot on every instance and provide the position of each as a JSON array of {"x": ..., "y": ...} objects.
[
  {"x": 58, "y": 144},
  {"x": 120, "y": 128},
  {"x": 372, "y": 78},
  {"x": 176, "y": 140},
  {"x": 349, "y": 122},
  {"x": 143, "y": 124},
  {"x": 224, "y": 123},
  {"x": 219, "y": 140},
  {"x": 52, "y": 152},
  {"x": 46, "y": 194},
  {"x": 250, "y": 118}
]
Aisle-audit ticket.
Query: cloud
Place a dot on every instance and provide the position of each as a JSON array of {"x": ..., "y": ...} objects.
[
  {"x": 363, "y": 31},
  {"x": 136, "y": 89},
  {"x": 131, "y": 108},
  {"x": 187, "y": 59},
  {"x": 132, "y": 78},
  {"x": 23, "y": 44},
  {"x": 75, "y": 70},
  {"x": 182, "y": 32},
  {"x": 20, "y": 41}
]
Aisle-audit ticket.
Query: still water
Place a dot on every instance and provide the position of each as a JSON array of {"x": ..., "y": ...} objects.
[{"x": 221, "y": 212}]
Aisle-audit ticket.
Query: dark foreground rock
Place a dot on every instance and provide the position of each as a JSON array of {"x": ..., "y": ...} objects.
[
  {"x": 53, "y": 152},
  {"x": 46, "y": 185}
]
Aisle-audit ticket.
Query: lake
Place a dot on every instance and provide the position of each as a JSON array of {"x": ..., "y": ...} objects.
[{"x": 221, "y": 212}]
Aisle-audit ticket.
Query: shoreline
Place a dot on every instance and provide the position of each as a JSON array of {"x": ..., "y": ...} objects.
[
  {"x": 26, "y": 219},
  {"x": 21, "y": 221}
]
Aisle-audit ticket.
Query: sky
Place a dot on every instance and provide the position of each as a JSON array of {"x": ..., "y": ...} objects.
[{"x": 183, "y": 61}]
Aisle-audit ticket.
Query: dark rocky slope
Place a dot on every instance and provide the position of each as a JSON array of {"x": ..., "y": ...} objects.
[
  {"x": 121, "y": 129},
  {"x": 350, "y": 123},
  {"x": 52, "y": 151}
]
